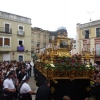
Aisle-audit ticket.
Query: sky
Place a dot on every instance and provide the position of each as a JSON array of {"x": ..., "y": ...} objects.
[{"x": 51, "y": 14}]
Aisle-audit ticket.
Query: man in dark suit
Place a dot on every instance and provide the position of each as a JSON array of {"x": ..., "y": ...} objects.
[
  {"x": 44, "y": 92},
  {"x": 96, "y": 90},
  {"x": 21, "y": 75}
]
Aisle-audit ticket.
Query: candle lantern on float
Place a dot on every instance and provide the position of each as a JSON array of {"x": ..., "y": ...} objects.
[{"x": 87, "y": 52}]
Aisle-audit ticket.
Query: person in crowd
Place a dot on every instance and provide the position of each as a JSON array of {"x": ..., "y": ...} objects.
[
  {"x": 87, "y": 99},
  {"x": 4, "y": 70},
  {"x": 28, "y": 67},
  {"x": 32, "y": 66},
  {"x": 44, "y": 92},
  {"x": 66, "y": 98},
  {"x": 15, "y": 81},
  {"x": 90, "y": 63},
  {"x": 8, "y": 70},
  {"x": 9, "y": 88},
  {"x": 96, "y": 73},
  {"x": 1, "y": 76},
  {"x": 96, "y": 89},
  {"x": 25, "y": 90},
  {"x": 1, "y": 86},
  {"x": 21, "y": 75},
  {"x": 18, "y": 69}
]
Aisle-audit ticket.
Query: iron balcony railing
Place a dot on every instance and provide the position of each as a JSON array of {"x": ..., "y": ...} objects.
[
  {"x": 5, "y": 30},
  {"x": 20, "y": 33}
]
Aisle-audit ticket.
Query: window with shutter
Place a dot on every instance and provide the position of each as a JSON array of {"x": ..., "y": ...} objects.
[
  {"x": 21, "y": 28},
  {"x": 97, "y": 32},
  {"x": 38, "y": 44},
  {"x": 32, "y": 43},
  {"x": 20, "y": 58},
  {"x": 86, "y": 34},
  {"x": 1, "y": 41},
  {"x": 6, "y": 41},
  {"x": 44, "y": 45},
  {"x": 97, "y": 49}
]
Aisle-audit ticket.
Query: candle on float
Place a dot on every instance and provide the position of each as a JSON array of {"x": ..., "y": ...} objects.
[
  {"x": 83, "y": 49},
  {"x": 50, "y": 45},
  {"x": 54, "y": 48},
  {"x": 46, "y": 46},
  {"x": 58, "y": 46}
]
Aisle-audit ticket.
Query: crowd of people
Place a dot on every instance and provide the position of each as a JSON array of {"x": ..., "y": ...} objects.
[
  {"x": 13, "y": 76},
  {"x": 95, "y": 86}
]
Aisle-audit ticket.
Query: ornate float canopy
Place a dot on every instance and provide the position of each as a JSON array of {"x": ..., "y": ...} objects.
[
  {"x": 60, "y": 46},
  {"x": 58, "y": 63}
]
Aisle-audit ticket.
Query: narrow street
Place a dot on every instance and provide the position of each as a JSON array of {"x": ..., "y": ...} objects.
[{"x": 33, "y": 86}]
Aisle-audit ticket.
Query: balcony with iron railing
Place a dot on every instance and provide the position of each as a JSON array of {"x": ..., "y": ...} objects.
[
  {"x": 20, "y": 48},
  {"x": 21, "y": 33},
  {"x": 5, "y": 30}
]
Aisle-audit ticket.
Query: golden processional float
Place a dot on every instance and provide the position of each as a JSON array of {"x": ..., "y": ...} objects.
[
  {"x": 56, "y": 62},
  {"x": 66, "y": 72}
]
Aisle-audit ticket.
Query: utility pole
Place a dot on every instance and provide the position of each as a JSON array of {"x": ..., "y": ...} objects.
[{"x": 90, "y": 14}]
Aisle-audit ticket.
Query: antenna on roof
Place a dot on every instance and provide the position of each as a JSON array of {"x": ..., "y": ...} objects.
[{"x": 90, "y": 14}]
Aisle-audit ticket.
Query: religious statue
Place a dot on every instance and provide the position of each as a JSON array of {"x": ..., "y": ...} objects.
[
  {"x": 63, "y": 44},
  {"x": 59, "y": 34},
  {"x": 53, "y": 38},
  {"x": 65, "y": 34}
]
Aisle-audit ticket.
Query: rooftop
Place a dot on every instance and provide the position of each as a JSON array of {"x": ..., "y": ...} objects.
[
  {"x": 14, "y": 17},
  {"x": 39, "y": 29},
  {"x": 89, "y": 24}
]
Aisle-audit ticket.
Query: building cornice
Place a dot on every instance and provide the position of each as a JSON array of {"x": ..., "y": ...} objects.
[
  {"x": 90, "y": 24},
  {"x": 13, "y": 17}
]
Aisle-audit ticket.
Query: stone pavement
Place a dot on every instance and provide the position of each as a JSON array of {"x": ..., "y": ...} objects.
[{"x": 33, "y": 86}]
